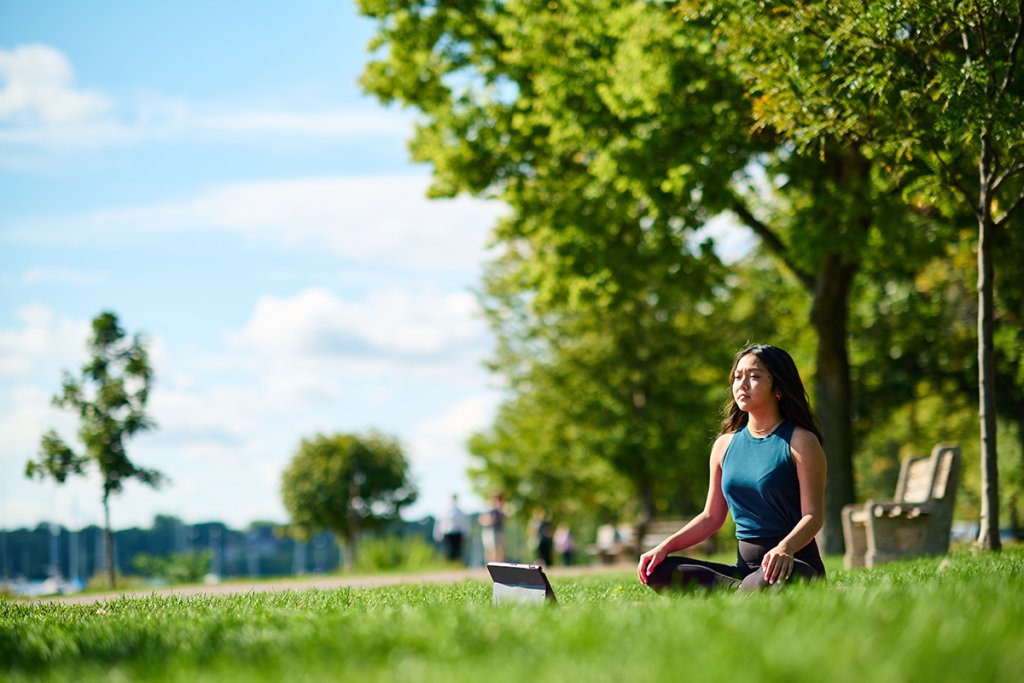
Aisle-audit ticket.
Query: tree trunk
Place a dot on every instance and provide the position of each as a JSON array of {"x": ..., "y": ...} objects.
[
  {"x": 988, "y": 528},
  {"x": 108, "y": 543},
  {"x": 351, "y": 549},
  {"x": 638, "y": 404},
  {"x": 646, "y": 515},
  {"x": 832, "y": 392},
  {"x": 1015, "y": 525},
  {"x": 352, "y": 523},
  {"x": 830, "y": 292}
]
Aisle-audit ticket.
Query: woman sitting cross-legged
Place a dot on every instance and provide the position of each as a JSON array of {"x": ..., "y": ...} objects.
[{"x": 768, "y": 470}]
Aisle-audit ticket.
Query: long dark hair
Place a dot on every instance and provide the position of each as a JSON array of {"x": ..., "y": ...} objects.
[{"x": 793, "y": 405}]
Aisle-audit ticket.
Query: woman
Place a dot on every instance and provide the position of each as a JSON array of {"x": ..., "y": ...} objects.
[{"x": 768, "y": 470}]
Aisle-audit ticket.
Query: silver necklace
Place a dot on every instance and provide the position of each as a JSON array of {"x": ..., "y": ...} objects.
[{"x": 763, "y": 432}]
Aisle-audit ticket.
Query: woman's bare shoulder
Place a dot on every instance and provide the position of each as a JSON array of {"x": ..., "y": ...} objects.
[
  {"x": 721, "y": 446},
  {"x": 804, "y": 442}
]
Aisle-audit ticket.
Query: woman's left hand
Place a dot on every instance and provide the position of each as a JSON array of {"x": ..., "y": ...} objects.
[{"x": 777, "y": 565}]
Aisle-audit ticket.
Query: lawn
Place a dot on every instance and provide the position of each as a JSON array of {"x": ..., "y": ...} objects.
[{"x": 958, "y": 618}]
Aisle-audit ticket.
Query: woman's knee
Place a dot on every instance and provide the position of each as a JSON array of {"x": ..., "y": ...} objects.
[
  {"x": 680, "y": 574},
  {"x": 755, "y": 581},
  {"x": 660, "y": 578},
  {"x": 802, "y": 572}
]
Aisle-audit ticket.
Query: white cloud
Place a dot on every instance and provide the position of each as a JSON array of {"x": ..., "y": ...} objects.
[
  {"x": 25, "y": 416},
  {"x": 390, "y": 324},
  {"x": 443, "y": 437},
  {"x": 37, "y": 86},
  {"x": 42, "y": 339},
  {"x": 218, "y": 416},
  {"x": 382, "y": 219},
  {"x": 336, "y": 123},
  {"x": 41, "y": 105},
  {"x": 437, "y": 450},
  {"x": 42, "y": 275},
  {"x": 173, "y": 121}
]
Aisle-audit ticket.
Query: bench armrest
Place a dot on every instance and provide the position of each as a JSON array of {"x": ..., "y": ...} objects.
[{"x": 894, "y": 509}]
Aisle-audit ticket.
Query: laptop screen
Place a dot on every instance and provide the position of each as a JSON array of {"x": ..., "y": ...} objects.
[{"x": 525, "y": 583}]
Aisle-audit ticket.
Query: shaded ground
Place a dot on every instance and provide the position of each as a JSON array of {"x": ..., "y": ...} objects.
[{"x": 320, "y": 582}]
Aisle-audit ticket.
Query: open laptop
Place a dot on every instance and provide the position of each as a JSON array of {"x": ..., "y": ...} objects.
[{"x": 525, "y": 583}]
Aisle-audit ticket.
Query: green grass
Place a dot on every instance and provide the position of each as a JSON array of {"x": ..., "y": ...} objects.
[{"x": 960, "y": 618}]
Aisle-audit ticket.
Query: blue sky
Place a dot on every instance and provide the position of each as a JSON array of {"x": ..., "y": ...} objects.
[{"x": 212, "y": 173}]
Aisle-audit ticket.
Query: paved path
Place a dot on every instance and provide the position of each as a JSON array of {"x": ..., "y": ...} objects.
[{"x": 331, "y": 582}]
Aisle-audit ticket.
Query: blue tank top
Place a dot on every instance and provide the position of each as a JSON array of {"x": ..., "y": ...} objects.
[{"x": 760, "y": 483}]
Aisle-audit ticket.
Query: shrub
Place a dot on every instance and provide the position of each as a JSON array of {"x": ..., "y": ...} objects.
[
  {"x": 174, "y": 568},
  {"x": 391, "y": 553}
]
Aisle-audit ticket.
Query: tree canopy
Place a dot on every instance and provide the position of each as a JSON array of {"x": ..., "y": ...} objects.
[
  {"x": 613, "y": 152},
  {"x": 346, "y": 483},
  {"x": 935, "y": 90}
]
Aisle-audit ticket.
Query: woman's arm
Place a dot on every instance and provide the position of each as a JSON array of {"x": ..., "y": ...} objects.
[
  {"x": 809, "y": 458},
  {"x": 700, "y": 527}
]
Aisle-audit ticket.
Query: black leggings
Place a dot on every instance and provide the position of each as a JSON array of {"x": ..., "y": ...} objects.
[{"x": 684, "y": 573}]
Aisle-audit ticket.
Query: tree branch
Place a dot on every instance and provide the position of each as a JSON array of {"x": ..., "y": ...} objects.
[
  {"x": 873, "y": 41},
  {"x": 1014, "y": 48},
  {"x": 770, "y": 239},
  {"x": 985, "y": 53},
  {"x": 951, "y": 177},
  {"x": 487, "y": 29},
  {"x": 1005, "y": 175},
  {"x": 1012, "y": 210}
]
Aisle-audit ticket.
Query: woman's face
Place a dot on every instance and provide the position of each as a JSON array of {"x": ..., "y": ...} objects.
[{"x": 752, "y": 385}]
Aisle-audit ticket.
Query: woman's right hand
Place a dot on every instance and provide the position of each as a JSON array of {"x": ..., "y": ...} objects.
[{"x": 648, "y": 561}]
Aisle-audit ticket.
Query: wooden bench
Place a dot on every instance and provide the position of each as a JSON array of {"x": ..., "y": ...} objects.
[
  {"x": 916, "y": 522},
  {"x": 615, "y": 544}
]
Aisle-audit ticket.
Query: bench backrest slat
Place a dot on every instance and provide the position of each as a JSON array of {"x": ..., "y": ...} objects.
[
  {"x": 918, "y": 485},
  {"x": 942, "y": 476},
  {"x": 925, "y": 478}
]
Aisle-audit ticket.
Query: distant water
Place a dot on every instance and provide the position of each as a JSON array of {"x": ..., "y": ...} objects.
[{"x": 37, "y": 589}]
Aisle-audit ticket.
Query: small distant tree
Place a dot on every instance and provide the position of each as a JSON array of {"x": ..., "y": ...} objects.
[
  {"x": 110, "y": 399},
  {"x": 346, "y": 483}
]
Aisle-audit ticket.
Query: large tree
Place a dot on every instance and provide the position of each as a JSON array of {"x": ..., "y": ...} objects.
[
  {"x": 635, "y": 126},
  {"x": 932, "y": 88},
  {"x": 346, "y": 483},
  {"x": 109, "y": 397},
  {"x": 598, "y": 265}
]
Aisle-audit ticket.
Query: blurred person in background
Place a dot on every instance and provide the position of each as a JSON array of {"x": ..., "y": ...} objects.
[
  {"x": 492, "y": 523},
  {"x": 564, "y": 545},
  {"x": 451, "y": 530},
  {"x": 542, "y": 533}
]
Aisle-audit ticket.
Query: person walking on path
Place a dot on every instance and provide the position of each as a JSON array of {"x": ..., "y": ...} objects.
[
  {"x": 542, "y": 534},
  {"x": 564, "y": 545},
  {"x": 451, "y": 530},
  {"x": 768, "y": 469}
]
